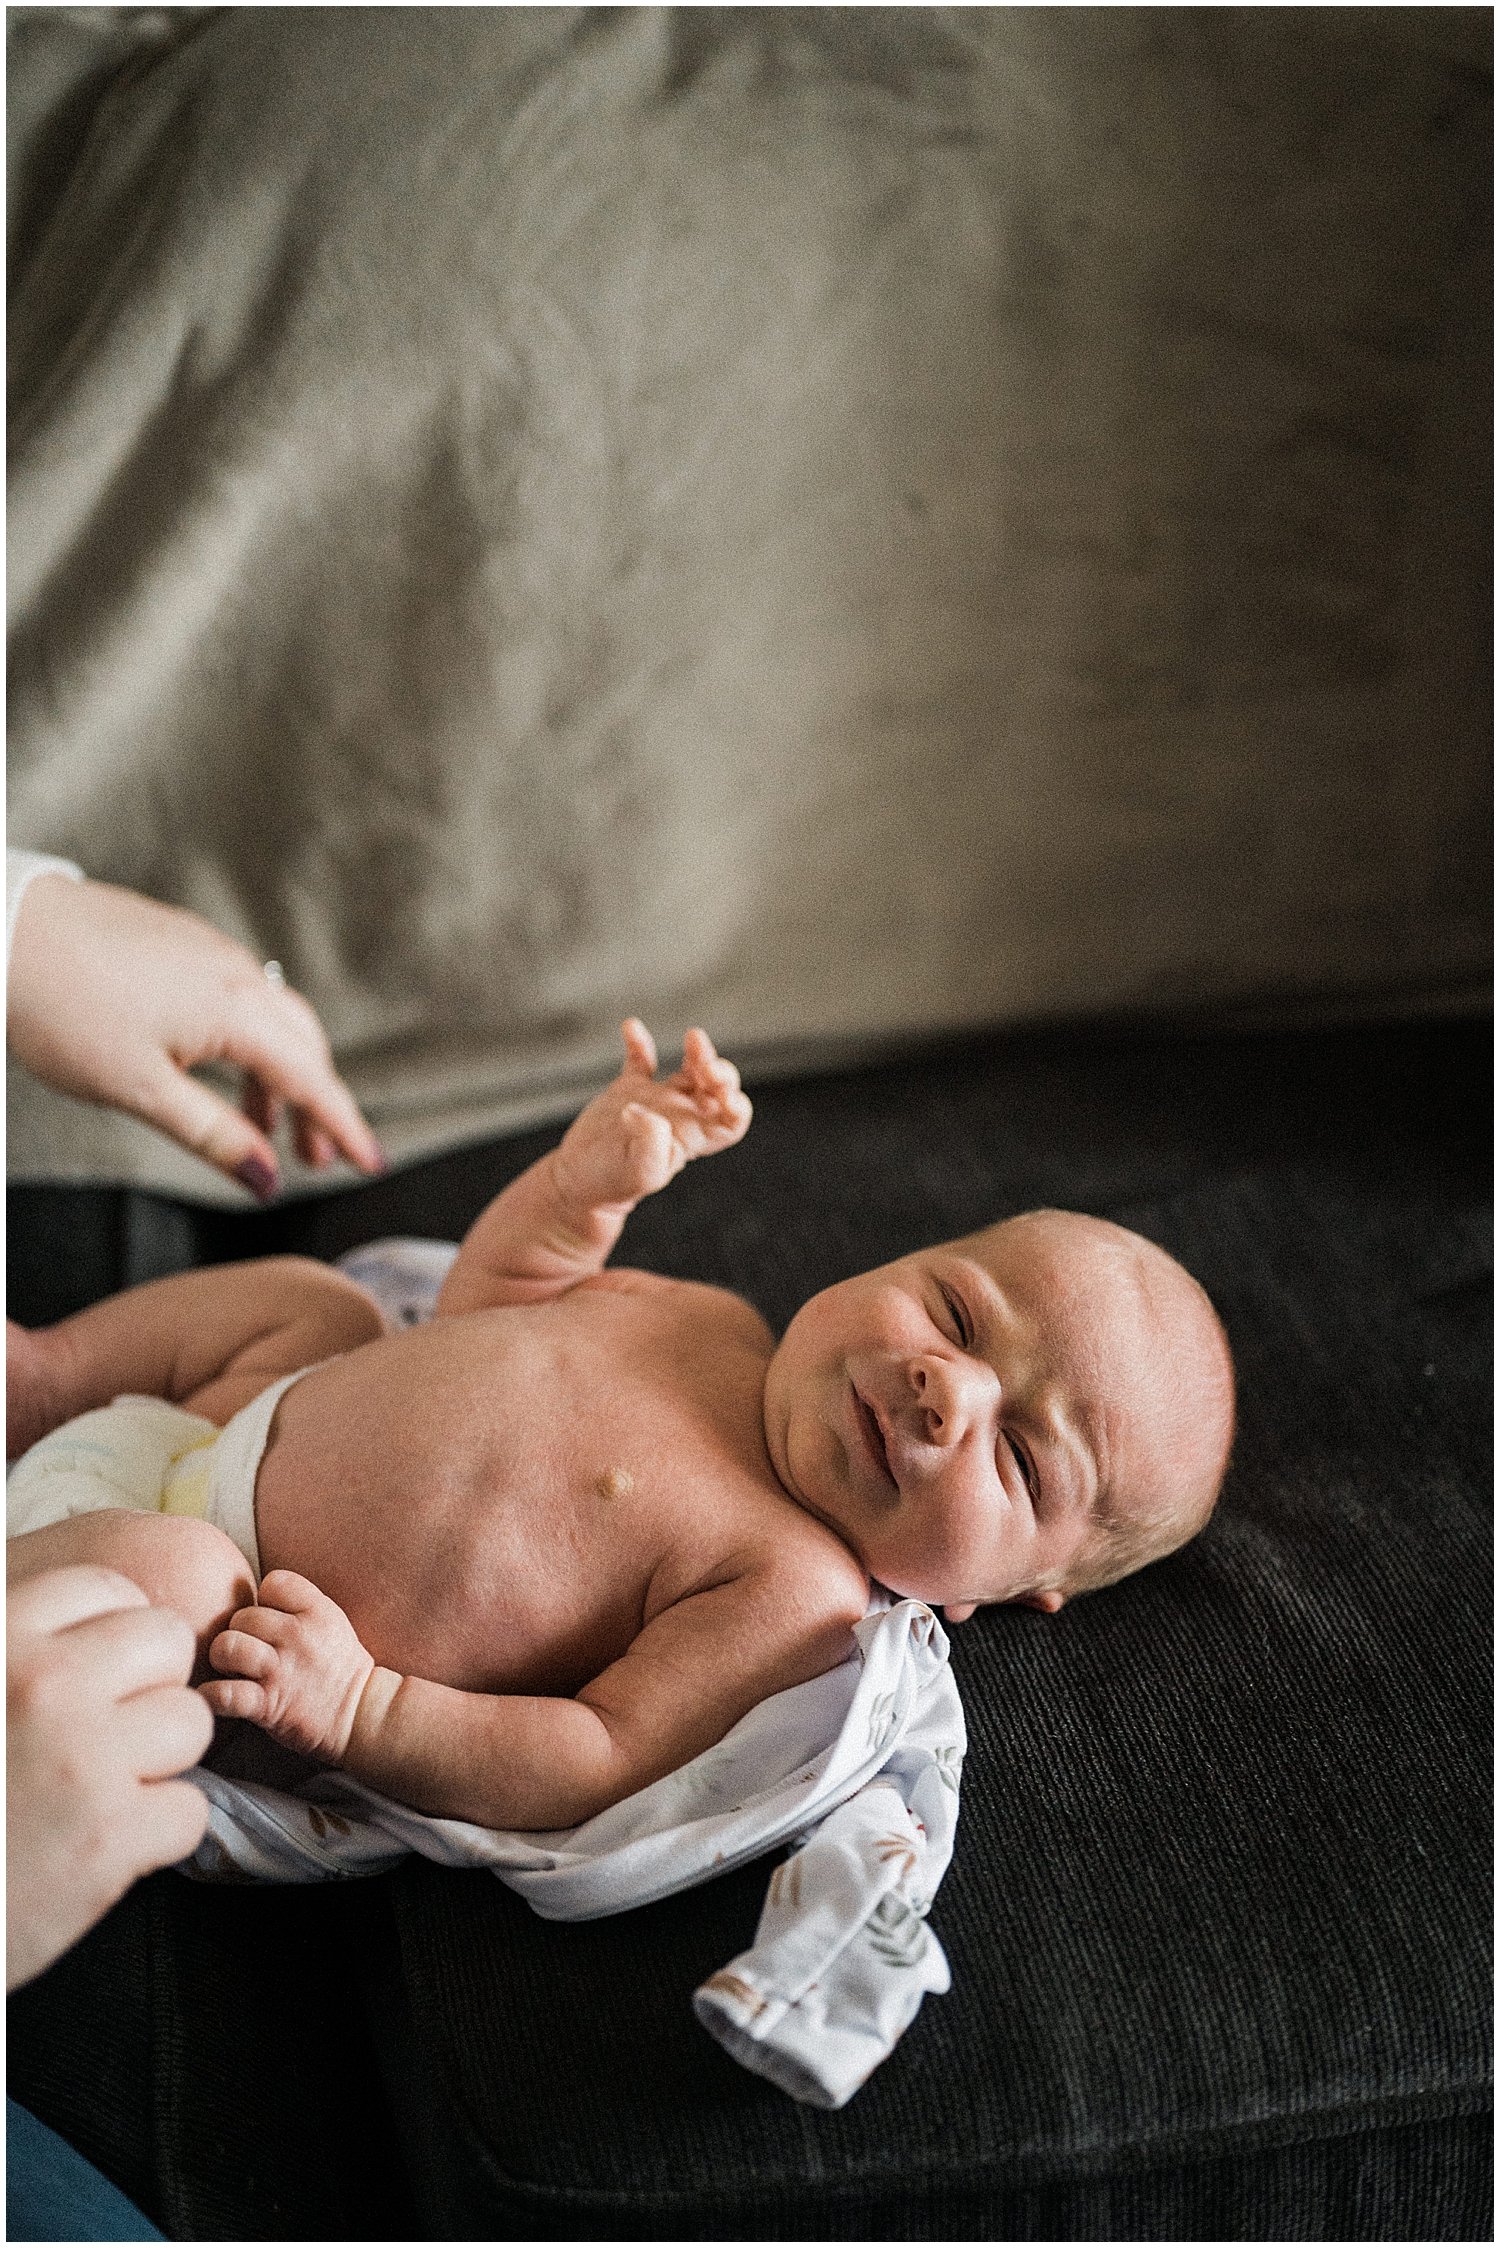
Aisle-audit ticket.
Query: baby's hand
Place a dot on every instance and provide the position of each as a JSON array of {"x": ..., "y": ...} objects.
[
  {"x": 297, "y": 1668},
  {"x": 640, "y": 1131}
]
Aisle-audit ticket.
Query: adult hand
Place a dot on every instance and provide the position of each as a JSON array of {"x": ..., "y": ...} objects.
[
  {"x": 100, "y": 1719},
  {"x": 115, "y": 998}
]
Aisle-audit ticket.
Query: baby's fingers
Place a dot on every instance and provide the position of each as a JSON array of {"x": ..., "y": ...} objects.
[
  {"x": 652, "y": 1150},
  {"x": 701, "y": 1064},
  {"x": 242, "y": 1652},
  {"x": 283, "y": 1589},
  {"x": 735, "y": 1113},
  {"x": 235, "y": 1697},
  {"x": 706, "y": 1075},
  {"x": 640, "y": 1047}
]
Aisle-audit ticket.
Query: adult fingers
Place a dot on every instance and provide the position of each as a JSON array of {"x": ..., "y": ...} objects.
[
  {"x": 259, "y": 1104},
  {"x": 60, "y": 1597},
  {"x": 131, "y": 1651},
  {"x": 199, "y": 1120},
  {"x": 171, "y": 1820},
  {"x": 312, "y": 1142},
  {"x": 163, "y": 1732},
  {"x": 283, "y": 1051},
  {"x": 276, "y": 1034}
]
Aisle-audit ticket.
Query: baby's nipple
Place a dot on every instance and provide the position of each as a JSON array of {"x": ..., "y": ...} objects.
[{"x": 614, "y": 1483}]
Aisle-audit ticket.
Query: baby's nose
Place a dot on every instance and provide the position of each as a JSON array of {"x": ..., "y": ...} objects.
[{"x": 948, "y": 1393}]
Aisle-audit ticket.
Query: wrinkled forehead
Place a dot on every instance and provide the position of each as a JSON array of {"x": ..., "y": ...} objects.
[
  {"x": 1102, "y": 1307},
  {"x": 1057, "y": 1265},
  {"x": 1127, "y": 1331}
]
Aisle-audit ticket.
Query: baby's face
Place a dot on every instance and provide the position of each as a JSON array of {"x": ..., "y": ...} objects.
[{"x": 966, "y": 1416}]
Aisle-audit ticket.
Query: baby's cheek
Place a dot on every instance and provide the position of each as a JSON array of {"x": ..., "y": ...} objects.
[
  {"x": 807, "y": 1456},
  {"x": 961, "y": 1552}
]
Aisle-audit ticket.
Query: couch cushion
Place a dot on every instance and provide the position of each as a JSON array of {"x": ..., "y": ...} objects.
[{"x": 828, "y": 523}]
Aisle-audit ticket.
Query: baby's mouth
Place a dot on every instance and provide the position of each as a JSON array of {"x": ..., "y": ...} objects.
[{"x": 874, "y": 1437}]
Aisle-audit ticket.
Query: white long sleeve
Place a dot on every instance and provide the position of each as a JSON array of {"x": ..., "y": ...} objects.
[{"x": 21, "y": 870}]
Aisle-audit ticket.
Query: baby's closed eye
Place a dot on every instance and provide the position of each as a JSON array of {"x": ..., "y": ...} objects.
[{"x": 1021, "y": 1454}]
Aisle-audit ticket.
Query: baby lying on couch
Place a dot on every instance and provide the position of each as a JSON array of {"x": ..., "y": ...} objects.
[{"x": 525, "y": 1560}]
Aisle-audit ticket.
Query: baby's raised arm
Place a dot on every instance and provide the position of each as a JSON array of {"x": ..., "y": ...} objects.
[
  {"x": 531, "y": 1761},
  {"x": 210, "y": 1340},
  {"x": 557, "y": 1223}
]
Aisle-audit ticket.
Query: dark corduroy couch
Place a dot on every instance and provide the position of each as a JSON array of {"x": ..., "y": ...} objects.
[{"x": 1218, "y": 1916}]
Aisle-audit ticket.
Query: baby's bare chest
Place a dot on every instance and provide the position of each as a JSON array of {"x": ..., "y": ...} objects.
[{"x": 500, "y": 1501}]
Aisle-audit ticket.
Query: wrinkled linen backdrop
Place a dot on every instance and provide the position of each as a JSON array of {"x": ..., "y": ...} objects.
[{"x": 830, "y": 525}]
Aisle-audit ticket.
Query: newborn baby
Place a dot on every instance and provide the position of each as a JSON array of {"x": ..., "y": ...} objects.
[{"x": 528, "y": 1558}]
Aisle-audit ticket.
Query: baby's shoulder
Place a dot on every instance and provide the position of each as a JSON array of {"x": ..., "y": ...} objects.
[
  {"x": 694, "y": 1303},
  {"x": 809, "y": 1568}
]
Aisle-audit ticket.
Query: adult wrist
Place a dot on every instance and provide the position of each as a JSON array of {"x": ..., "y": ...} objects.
[{"x": 22, "y": 868}]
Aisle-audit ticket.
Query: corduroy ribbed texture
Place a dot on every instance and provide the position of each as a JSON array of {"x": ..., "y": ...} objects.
[{"x": 1218, "y": 1916}]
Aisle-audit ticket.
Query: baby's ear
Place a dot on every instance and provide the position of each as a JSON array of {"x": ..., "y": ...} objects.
[{"x": 1048, "y": 1602}]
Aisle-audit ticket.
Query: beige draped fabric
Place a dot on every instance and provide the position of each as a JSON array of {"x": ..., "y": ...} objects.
[{"x": 830, "y": 524}]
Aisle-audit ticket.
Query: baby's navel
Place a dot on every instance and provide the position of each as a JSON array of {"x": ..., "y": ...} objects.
[{"x": 614, "y": 1483}]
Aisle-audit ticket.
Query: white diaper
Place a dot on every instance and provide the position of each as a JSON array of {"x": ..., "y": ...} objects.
[{"x": 143, "y": 1453}]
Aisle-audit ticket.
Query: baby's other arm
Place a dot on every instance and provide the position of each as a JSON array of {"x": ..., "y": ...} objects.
[
  {"x": 532, "y": 1761},
  {"x": 558, "y": 1222},
  {"x": 210, "y": 1340}
]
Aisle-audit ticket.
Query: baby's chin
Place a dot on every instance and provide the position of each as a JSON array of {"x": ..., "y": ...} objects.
[{"x": 917, "y": 1585}]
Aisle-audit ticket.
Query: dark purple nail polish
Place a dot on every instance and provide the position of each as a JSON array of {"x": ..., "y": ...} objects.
[{"x": 260, "y": 1176}]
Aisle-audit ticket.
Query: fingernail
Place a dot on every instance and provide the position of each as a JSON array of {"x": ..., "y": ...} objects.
[{"x": 260, "y": 1176}]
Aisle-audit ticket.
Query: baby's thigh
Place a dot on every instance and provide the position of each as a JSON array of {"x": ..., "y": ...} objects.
[{"x": 177, "y": 1561}]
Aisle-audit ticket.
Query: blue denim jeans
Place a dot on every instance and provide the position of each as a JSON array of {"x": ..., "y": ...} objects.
[{"x": 51, "y": 2193}]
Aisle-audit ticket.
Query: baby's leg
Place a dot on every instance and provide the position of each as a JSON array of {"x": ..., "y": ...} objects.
[
  {"x": 33, "y": 1403},
  {"x": 178, "y": 1562}
]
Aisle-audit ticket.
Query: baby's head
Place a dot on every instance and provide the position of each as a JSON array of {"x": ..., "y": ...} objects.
[{"x": 1030, "y": 1412}]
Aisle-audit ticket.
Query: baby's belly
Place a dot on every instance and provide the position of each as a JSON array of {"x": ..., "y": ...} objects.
[{"x": 474, "y": 1577}]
